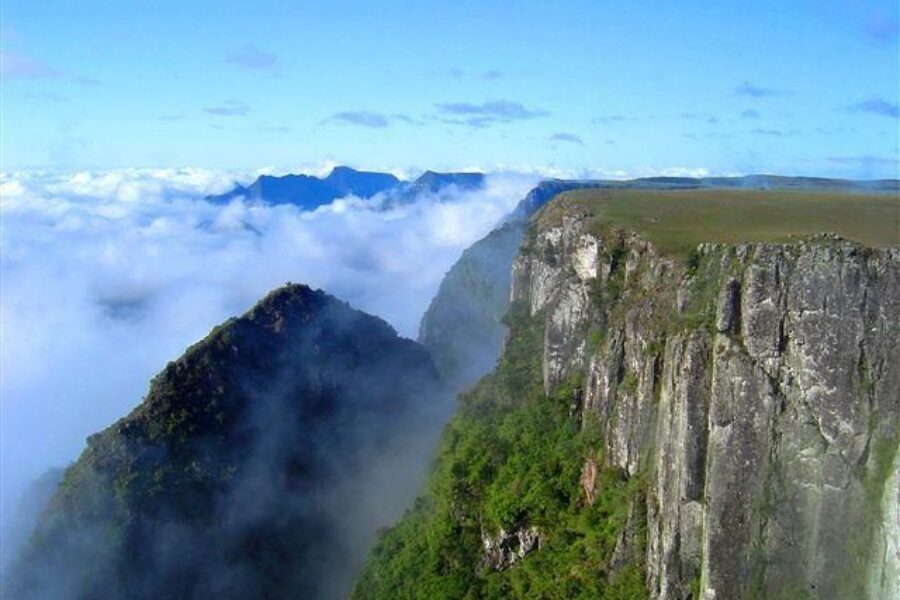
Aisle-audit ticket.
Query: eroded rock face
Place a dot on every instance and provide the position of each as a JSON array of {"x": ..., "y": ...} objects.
[
  {"x": 758, "y": 392},
  {"x": 509, "y": 547}
]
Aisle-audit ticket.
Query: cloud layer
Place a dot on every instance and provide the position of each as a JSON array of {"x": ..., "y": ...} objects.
[{"x": 107, "y": 276}]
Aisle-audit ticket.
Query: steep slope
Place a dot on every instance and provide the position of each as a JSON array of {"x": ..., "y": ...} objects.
[
  {"x": 246, "y": 470},
  {"x": 722, "y": 423},
  {"x": 463, "y": 327}
]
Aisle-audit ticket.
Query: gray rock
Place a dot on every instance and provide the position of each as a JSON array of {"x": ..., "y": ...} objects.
[
  {"x": 759, "y": 396},
  {"x": 508, "y": 547}
]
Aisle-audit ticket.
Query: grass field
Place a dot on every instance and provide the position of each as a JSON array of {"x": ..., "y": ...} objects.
[{"x": 677, "y": 220}]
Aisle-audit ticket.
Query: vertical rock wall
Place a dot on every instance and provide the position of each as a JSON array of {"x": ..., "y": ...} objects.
[{"x": 757, "y": 389}]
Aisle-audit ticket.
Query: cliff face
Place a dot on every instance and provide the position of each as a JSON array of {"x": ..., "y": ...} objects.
[
  {"x": 720, "y": 424},
  {"x": 246, "y": 471},
  {"x": 463, "y": 326},
  {"x": 756, "y": 387}
]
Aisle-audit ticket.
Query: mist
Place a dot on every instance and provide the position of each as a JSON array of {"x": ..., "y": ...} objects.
[{"x": 107, "y": 276}]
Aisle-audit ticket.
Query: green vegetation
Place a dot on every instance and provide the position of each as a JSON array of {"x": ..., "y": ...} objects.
[
  {"x": 700, "y": 310},
  {"x": 596, "y": 337},
  {"x": 512, "y": 458},
  {"x": 677, "y": 220}
]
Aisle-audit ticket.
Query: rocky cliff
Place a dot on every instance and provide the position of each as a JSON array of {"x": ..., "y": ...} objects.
[
  {"x": 757, "y": 387},
  {"x": 718, "y": 424},
  {"x": 258, "y": 466},
  {"x": 463, "y": 326}
]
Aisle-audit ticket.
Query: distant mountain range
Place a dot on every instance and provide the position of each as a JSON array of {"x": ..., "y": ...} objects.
[{"x": 309, "y": 192}]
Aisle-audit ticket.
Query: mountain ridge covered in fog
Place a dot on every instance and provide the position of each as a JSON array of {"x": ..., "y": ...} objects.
[{"x": 251, "y": 455}]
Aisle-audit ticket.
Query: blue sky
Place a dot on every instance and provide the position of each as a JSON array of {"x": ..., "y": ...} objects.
[{"x": 799, "y": 87}]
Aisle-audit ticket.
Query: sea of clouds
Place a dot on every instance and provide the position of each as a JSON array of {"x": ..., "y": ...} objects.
[{"x": 106, "y": 276}]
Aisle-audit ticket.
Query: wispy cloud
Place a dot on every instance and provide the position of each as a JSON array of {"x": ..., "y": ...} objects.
[
  {"x": 750, "y": 113},
  {"x": 607, "y": 119},
  {"x": 21, "y": 66},
  {"x": 709, "y": 135},
  {"x": 363, "y": 118},
  {"x": 230, "y": 108},
  {"x": 834, "y": 130},
  {"x": 405, "y": 119},
  {"x": 774, "y": 132},
  {"x": 757, "y": 91},
  {"x": 705, "y": 117},
  {"x": 487, "y": 113},
  {"x": 86, "y": 81},
  {"x": 273, "y": 128},
  {"x": 500, "y": 109},
  {"x": 487, "y": 75},
  {"x": 877, "y": 106},
  {"x": 252, "y": 58},
  {"x": 369, "y": 118},
  {"x": 567, "y": 137}
]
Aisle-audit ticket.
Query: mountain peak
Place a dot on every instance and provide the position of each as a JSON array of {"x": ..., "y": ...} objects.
[
  {"x": 342, "y": 170},
  {"x": 309, "y": 192},
  {"x": 237, "y": 454},
  {"x": 433, "y": 181}
]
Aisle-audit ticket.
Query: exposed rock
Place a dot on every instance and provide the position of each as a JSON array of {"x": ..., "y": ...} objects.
[
  {"x": 463, "y": 326},
  {"x": 759, "y": 390},
  {"x": 729, "y": 311},
  {"x": 508, "y": 547},
  {"x": 589, "y": 480}
]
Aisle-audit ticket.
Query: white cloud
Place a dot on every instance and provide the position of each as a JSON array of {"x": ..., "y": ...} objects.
[{"x": 106, "y": 276}]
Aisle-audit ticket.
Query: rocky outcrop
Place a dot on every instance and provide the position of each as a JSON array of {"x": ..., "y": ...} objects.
[
  {"x": 756, "y": 387},
  {"x": 508, "y": 547},
  {"x": 463, "y": 327}
]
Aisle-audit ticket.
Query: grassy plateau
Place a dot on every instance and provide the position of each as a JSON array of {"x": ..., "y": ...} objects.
[{"x": 677, "y": 220}]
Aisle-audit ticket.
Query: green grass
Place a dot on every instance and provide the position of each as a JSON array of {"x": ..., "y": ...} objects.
[{"x": 677, "y": 220}]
